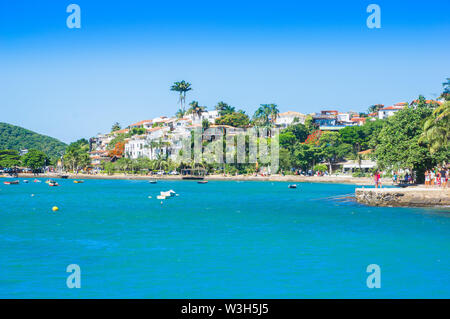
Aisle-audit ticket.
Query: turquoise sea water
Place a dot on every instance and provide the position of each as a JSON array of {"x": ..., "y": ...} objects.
[{"x": 217, "y": 240}]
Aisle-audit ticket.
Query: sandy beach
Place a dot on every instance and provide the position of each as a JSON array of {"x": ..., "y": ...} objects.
[{"x": 272, "y": 178}]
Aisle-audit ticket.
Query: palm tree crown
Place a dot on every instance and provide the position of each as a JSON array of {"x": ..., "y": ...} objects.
[{"x": 181, "y": 87}]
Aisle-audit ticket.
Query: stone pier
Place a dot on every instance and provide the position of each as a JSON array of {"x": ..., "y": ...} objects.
[{"x": 409, "y": 197}]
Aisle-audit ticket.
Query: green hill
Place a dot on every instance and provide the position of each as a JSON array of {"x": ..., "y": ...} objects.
[{"x": 17, "y": 138}]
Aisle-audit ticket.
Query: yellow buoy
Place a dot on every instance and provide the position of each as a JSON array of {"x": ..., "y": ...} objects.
[{"x": 55, "y": 208}]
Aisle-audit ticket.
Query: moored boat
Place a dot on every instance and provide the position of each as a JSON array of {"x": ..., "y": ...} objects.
[
  {"x": 292, "y": 186},
  {"x": 78, "y": 182},
  {"x": 53, "y": 183},
  {"x": 11, "y": 183}
]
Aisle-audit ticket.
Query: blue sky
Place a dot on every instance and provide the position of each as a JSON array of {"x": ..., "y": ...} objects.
[{"x": 303, "y": 56}]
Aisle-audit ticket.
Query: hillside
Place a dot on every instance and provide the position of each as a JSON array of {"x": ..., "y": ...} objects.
[{"x": 17, "y": 138}]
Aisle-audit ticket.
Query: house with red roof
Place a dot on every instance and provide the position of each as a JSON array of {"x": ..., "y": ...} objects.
[{"x": 388, "y": 111}]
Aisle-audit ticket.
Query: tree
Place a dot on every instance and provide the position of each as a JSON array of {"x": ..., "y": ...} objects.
[
  {"x": 35, "y": 160},
  {"x": 446, "y": 93},
  {"x": 224, "y": 108},
  {"x": 196, "y": 110},
  {"x": 115, "y": 127},
  {"x": 274, "y": 111},
  {"x": 180, "y": 113},
  {"x": 332, "y": 148},
  {"x": 375, "y": 108},
  {"x": 399, "y": 145},
  {"x": 118, "y": 150},
  {"x": 181, "y": 87},
  {"x": 436, "y": 130},
  {"x": 9, "y": 158},
  {"x": 299, "y": 130},
  {"x": 287, "y": 139},
  {"x": 234, "y": 119},
  {"x": 77, "y": 155},
  {"x": 262, "y": 115},
  {"x": 205, "y": 124},
  {"x": 305, "y": 155}
]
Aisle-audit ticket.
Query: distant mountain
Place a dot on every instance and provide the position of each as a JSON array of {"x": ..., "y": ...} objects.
[{"x": 17, "y": 138}]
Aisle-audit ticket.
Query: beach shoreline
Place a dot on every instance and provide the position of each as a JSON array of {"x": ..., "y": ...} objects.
[{"x": 363, "y": 181}]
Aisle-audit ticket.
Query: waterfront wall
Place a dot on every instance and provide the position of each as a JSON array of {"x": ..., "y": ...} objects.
[{"x": 409, "y": 197}]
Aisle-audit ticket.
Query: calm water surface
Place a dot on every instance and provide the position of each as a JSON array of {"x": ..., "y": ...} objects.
[{"x": 223, "y": 239}]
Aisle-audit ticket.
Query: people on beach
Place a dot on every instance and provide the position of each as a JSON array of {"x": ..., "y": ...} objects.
[
  {"x": 377, "y": 179},
  {"x": 427, "y": 178},
  {"x": 443, "y": 176},
  {"x": 395, "y": 178}
]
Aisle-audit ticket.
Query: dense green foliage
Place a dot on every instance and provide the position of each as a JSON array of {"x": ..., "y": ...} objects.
[
  {"x": 9, "y": 158},
  {"x": 35, "y": 160},
  {"x": 234, "y": 119},
  {"x": 17, "y": 138},
  {"x": 77, "y": 155},
  {"x": 399, "y": 144}
]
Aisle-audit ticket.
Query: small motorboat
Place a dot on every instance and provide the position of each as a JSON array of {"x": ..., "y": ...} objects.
[
  {"x": 53, "y": 183},
  {"x": 25, "y": 181},
  {"x": 292, "y": 186},
  {"x": 152, "y": 182},
  {"x": 78, "y": 182},
  {"x": 170, "y": 193},
  {"x": 37, "y": 181},
  {"x": 202, "y": 182},
  {"x": 11, "y": 183}
]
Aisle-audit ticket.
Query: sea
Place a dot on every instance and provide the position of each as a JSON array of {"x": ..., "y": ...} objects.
[{"x": 223, "y": 239}]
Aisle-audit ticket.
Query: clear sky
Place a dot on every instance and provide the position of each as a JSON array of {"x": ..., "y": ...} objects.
[{"x": 302, "y": 55}]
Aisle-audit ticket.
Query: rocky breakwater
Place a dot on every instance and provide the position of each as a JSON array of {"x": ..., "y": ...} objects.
[{"x": 409, "y": 197}]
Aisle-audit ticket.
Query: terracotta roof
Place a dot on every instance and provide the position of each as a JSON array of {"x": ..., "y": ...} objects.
[
  {"x": 392, "y": 107},
  {"x": 291, "y": 113},
  {"x": 218, "y": 125},
  {"x": 154, "y": 129},
  {"x": 428, "y": 101},
  {"x": 372, "y": 114},
  {"x": 125, "y": 130},
  {"x": 141, "y": 123},
  {"x": 366, "y": 152}
]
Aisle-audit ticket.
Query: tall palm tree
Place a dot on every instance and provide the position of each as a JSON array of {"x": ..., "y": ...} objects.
[
  {"x": 274, "y": 111},
  {"x": 181, "y": 87},
  {"x": 196, "y": 109},
  {"x": 115, "y": 127},
  {"x": 262, "y": 115},
  {"x": 436, "y": 130}
]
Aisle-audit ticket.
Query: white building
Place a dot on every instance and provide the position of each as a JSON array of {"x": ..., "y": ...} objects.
[
  {"x": 287, "y": 118},
  {"x": 390, "y": 110},
  {"x": 344, "y": 117},
  {"x": 211, "y": 116},
  {"x": 135, "y": 147}
]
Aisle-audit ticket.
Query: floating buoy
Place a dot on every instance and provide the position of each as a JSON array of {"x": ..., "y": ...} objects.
[
  {"x": 55, "y": 208},
  {"x": 32, "y": 195},
  {"x": 149, "y": 197}
]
